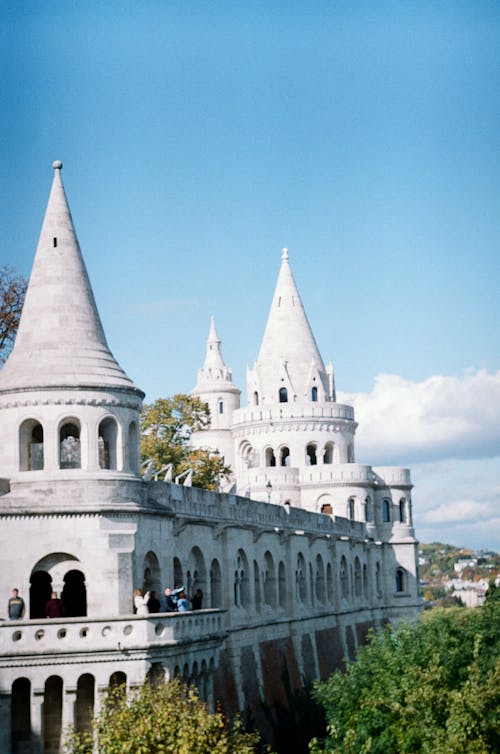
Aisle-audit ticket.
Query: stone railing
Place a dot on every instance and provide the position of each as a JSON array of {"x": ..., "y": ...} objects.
[
  {"x": 131, "y": 632},
  {"x": 300, "y": 411}
]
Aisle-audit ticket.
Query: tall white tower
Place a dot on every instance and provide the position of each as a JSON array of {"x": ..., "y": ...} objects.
[
  {"x": 68, "y": 409},
  {"x": 215, "y": 387}
]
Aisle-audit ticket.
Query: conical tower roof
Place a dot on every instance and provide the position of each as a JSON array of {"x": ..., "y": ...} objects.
[
  {"x": 288, "y": 352},
  {"x": 60, "y": 341},
  {"x": 214, "y": 373}
]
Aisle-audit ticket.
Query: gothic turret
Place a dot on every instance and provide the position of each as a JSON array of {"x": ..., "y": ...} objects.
[
  {"x": 215, "y": 387},
  {"x": 66, "y": 402}
]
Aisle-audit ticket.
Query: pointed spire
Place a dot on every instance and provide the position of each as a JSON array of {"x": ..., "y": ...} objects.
[
  {"x": 213, "y": 358},
  {"x": 60, "y": 340},
  {"x": 288, "y": 356}
]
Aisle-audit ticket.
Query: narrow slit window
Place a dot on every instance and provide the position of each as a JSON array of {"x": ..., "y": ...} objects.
[{"x": 54, "y": 241}]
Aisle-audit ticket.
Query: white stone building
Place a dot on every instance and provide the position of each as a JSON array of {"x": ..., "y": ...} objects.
[{"x": 297, "y": 580}]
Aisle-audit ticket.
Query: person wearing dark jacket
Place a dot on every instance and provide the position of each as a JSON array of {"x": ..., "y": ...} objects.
[
  {"x": 54, "y": 607},
  {"x": 167, "y": 604}
]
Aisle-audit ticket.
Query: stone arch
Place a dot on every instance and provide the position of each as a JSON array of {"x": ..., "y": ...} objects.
[
  {"x": 70, "y": 456},
  {"x": 329, "y": 453},
  {"x": 402, "y": 511},
  {"x": 178, "y": 573},
  {"x": 215, "y": 584},
  {"x": 386, "y": 511},
  {"x": 151, "y": 581},
  {"x": 300, "y": 579},
  {"x": 198, "y": 571},
  {"x": 20, "y": 716},
  {"x": 84, "y": 705},
  {"x": 269, "y": 580},
  {"x": 282, "y": 585},
  {"x": 401, "y": 580},
  {"x": 329, "y": 583},
  {"x": 358, "y": 583},
  {"x": 320, "y": 579},
  {"x": 49, "y": 574},
  {"x": 351, "y": 508},
  {"x": 283, "y": 395},
  {"x": 344, "y": 578},
  {"x": 117, "y": 680},
  {"x": 107, "y": 443},
  {"x": 284, "y": 455},
  {"x": 52, "y": 714},
  {"x": 249, "y": 455},
  {"x": 269, "y": 456},
  {"x": 133, "y": 447},
  {"x": 241, "y": 580},
  {"x": 311, "y": 454},
  {"x": 31, "y": 447},
  {"x": 74, "y": 594},
  {"x": 257, "y": 589}
]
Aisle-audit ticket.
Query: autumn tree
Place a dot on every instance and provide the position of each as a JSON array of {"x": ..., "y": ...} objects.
[
  {"x": 166, "y": 429},
  {"x": 430, "y": 687},
  {"x": 12, "y": 292},
  {"x": 162, "y": 717}
]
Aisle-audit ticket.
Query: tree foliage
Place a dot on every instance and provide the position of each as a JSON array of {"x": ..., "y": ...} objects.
[
  {"x": 166, "y": 429},
  {"x": 430, "y": 687},
  {"x": 162, "y": 717},
  {"x": 12, "y": 292}
]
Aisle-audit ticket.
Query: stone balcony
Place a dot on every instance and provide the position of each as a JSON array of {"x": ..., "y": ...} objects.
[
  {"x": 298, "y": 411},
  {"x": 69, "y": 636}
]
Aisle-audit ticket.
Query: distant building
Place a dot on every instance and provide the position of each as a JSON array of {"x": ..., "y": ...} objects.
[{"x": 307, "y": 552}]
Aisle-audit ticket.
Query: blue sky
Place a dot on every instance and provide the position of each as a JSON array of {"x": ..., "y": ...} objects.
[{"x": 200, "y": 138}]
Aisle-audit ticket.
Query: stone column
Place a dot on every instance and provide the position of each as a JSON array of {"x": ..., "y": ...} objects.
[
  {"x": 5, "y": 722},
  {"x": 68, "y": 711}
]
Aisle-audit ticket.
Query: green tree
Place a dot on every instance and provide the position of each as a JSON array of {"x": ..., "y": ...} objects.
[
  {"x": 12, "y": 292},
  {"x": 166, "y": 429},
  {"x": 162, "y": 717},
  {"x": 429, "y": 687}
]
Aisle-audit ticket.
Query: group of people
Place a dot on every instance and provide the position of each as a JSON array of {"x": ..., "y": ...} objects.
[
  {"x": 173, "y": 601},
  {"x": 16, "y": 608}
]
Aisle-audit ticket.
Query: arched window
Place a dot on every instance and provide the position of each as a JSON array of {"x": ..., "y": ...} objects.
[
  {"x": 256, "y": 579},
  {"x": 314, "y": 393},
  {"x": 178, "y": 574},
  {"x": 400, "y": 580},
  {"x": 300, "y": 579},
  {"x": 215, "y": 584},
  {"x": 241, "y": 584},
  {"x": 328, "y": 454},
  {"x": 52, "y": 713},
  {"x": 320, "y": 579},
  {"x": 285, "y": 456},
  {"x": 20, "y": 715},
  {"x": 386, "y": 511},
  {"x": 351, "y": 508},
  {"x": 69, "y": 445},
  {"x": 270, "y": 457},
  {"x": 358, "y": 584},
  {"x": 282, "y": 585},
  {"x": 269, "y": 580},
  {"x": 311, "y": 458},
  {"x": 402, "y": 511},
  {"x": 221, "y": 407},
  {"x": 329, "y": 582},
  {"x": 84, "y": 703},
  {"x": 255, "y": 398},
  {"x": 151, "y": 574},
  {"x": 283, "y": 395},
  {"x": 74, "y": 594},
  {"x": 107, "y": 435},
  {"x": 344, "y": 578},
  {"x": 133, "y": 447},
  {"x": 30, "y": 445}
]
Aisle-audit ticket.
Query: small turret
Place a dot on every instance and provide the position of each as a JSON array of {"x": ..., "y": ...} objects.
[{"x": 215, "y": 387}]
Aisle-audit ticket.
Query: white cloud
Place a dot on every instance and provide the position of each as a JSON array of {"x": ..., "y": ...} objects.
[{"x": 404, "y": 422}]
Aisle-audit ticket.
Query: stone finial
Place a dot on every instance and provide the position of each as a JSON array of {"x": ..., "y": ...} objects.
[
  {"x": 284, "y": 253},
  {"x": 57, "y": 164}
]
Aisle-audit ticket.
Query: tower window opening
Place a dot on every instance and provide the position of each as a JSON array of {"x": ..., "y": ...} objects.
[
  {"x": 54, "y": 242},
  {"x": 402, "y": 511},
  {"x": 283, "y": 395},
  {"x": 284, "y": 457},
  {"x": 256, "y": 398},
  {"x": 270, "y": 457},
  {"x": 69, "y": 446},
  {"x": 221, "y": 407},
  {"x": 31, "y": 445},
  {"x": 311, "y": 458},
  {"x": 314, "y": 394},
  {"x": 386, "y": 511},
  {"x": 351, "y": 508}
]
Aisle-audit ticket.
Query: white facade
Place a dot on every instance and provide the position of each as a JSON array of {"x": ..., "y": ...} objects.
[{"x": 280, "y": 581}]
